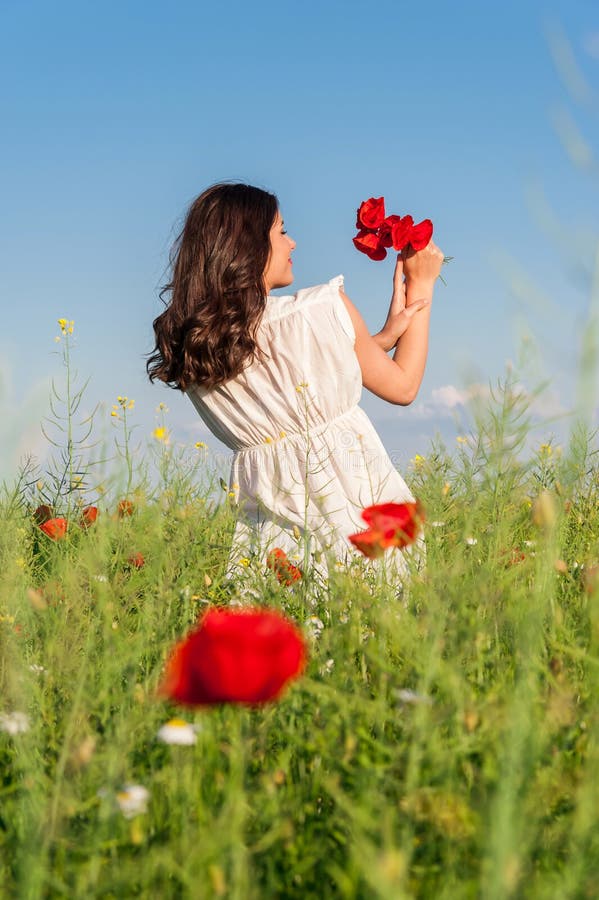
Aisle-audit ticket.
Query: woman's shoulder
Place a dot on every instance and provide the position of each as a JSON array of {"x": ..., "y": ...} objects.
[{"x": 278, "y": 307}]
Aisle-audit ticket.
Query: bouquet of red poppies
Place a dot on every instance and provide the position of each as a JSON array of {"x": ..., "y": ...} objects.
[{"x": 377, "y": 232}]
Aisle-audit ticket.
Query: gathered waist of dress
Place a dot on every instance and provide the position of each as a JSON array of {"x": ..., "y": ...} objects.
[{"x": 311, "y": 431}]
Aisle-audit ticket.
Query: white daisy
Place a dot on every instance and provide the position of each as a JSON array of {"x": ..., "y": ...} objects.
[
  {"x": 14, "y": 723},
  {"x": 314, "y": 626},
  {"x": 176, "y": 731},
  {"x": 133, "y": 800},
  {"x": 327, "y": 668}
]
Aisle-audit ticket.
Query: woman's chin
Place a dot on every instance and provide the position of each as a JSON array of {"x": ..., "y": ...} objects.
[{"x": 282, "y": 282}]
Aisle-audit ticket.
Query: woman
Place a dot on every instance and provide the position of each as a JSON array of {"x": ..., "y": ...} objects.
[{"x": 278, "y": 379}]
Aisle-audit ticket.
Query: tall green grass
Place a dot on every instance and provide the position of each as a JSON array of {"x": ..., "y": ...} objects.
[{"x": 442, "y": 743}]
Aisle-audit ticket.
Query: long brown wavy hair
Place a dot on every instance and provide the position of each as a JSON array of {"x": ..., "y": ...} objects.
[{"x": 216, "y": 295}]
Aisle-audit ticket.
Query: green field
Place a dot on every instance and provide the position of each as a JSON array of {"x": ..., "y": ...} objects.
[{"x": 443, "y": 742}]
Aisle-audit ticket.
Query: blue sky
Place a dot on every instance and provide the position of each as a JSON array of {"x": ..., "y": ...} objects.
[{"x": 115, "y": 116}]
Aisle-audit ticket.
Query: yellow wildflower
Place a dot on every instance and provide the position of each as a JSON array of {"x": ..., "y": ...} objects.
[
  {"x": 546, "y": 450},
  {"x": 66, "y": 326},
  {"x": 200, "y": 445},
  {"x": 268, "y": 440},
  {"x": 162, "y": 407},
  {"x": 244, "y": 561},
  {"x": 461, "y": 439},
  {"x": 282, "y": 434},
  {"x": 418, "y": 461},
  {"x": 161, "y": 434},
  {"x": 115, "y": 414},
  {"x": 131, "y": 404}
]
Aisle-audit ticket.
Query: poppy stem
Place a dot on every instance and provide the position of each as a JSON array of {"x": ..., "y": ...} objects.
[
  {"x": 446, "y": 259},
  {"x": 238, "y": 804}
]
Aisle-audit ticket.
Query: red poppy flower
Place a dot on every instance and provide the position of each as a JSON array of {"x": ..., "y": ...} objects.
[
  {"x": 370, "y": 243},
  {"x": 391, "y": 525},
  {"x": 136, "y": 560},
  {"x": 377, "y": 233},
  {"x": 125, "y": 508},
  {"x": 55, "y": 528},
  {"x": 515, "y": 556},
  {"x": 384, "y": 232},
  {"x": 371, "y": 214},
  {"x": 398, "y": 522},
  {"x": 89, "y": 514},
  {"x": 234, "y": 656},
  {"x": 43, "y": 513},
  {"x": 285, "y": 571},
  {"x": 370, "y": 543},
  {"x": 421, "y": 234},
  {"x": 401, "y": 232}
]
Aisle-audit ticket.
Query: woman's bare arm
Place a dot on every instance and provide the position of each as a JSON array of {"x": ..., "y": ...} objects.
[{"x": 398, "y": 379}]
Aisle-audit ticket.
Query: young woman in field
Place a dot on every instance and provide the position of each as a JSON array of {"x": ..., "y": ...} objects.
[{"x": 278, "y": 379}]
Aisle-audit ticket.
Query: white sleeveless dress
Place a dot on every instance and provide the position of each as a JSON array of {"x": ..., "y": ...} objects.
[{"x": 307, "y": 458}]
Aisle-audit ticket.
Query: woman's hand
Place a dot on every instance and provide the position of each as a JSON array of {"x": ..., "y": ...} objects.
[
  {"x": 400, "y": 315},
  {"x": 422, "y": 268}
]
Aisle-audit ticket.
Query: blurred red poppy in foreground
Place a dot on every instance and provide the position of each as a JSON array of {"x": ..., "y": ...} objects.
[
  {"x": 285, "y": 571},
  {"x": 391, "y": 525},
  {"x": 234, "y": 656},
  {"x": 55, "y": 528},
  {"x": 89, "y": 514}
]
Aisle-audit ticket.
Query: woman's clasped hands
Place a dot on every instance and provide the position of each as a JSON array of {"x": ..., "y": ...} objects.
[{"x": 413, "y": 282}]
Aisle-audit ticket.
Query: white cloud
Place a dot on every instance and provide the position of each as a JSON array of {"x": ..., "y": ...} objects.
[
  {"x": 449, "y": 396},
  {"x": 446, "y": 402}
]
